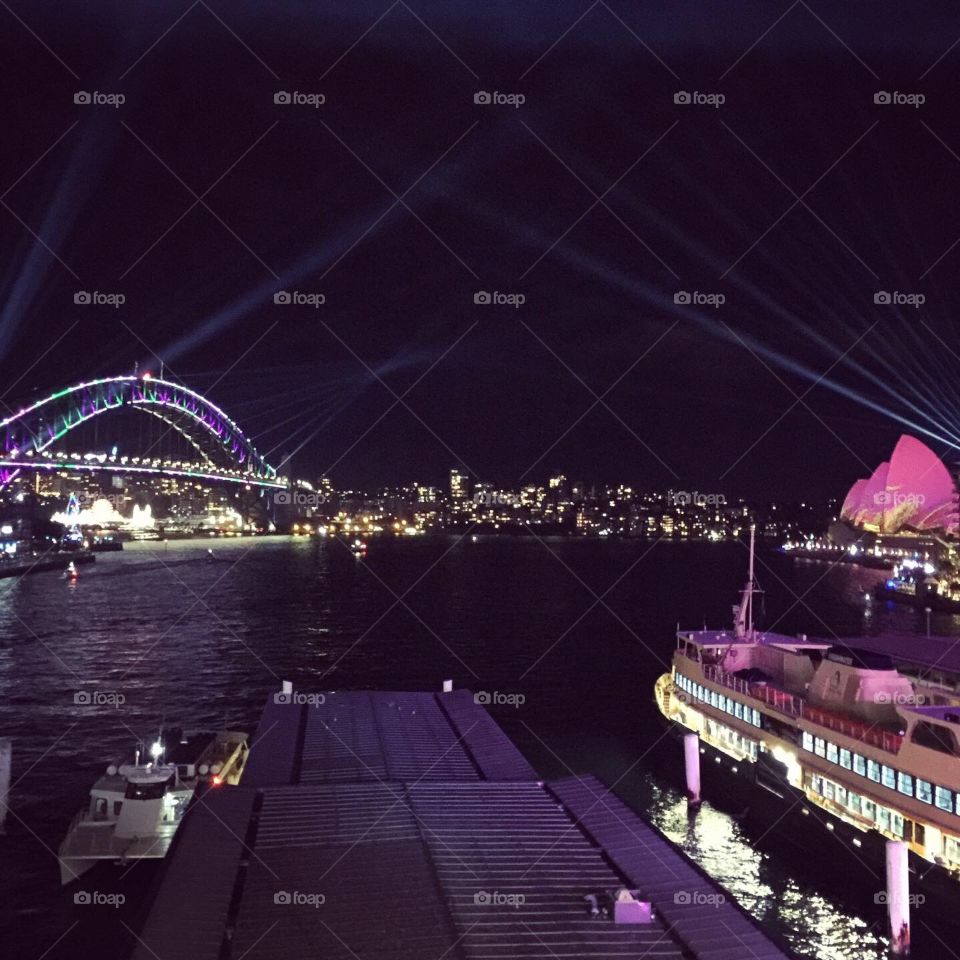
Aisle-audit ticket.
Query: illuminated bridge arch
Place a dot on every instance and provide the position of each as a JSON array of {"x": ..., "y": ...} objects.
[{"x": 220, "y": 451}]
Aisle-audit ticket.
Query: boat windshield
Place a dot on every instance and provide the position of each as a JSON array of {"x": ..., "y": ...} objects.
[{"x": 146, "y": 791}]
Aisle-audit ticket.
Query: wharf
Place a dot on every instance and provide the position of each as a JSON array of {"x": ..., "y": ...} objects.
[{"x": 407, "y": 826}]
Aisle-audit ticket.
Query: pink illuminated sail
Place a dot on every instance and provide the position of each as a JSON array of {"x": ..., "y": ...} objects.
[{"x": 913, "y": 491}]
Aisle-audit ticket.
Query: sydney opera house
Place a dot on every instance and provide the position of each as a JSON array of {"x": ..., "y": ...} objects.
[{"x": 911, "y": 494}]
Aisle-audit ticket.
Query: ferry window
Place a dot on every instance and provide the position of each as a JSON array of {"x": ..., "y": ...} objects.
[
  {"x": 853, "y": 802},
  {"x": 722, "y": 702},
  {"x": 869, "y": 809},
  {"x": 817, "y": 784},
  {"x": 756, "y": 718},
  {"x": 873, "y": 770},
  {"x": 845, "y": 761},
  {"x": 807, "y": 741},
  {"x": 924, "y": 791},
  {"x": 841, "y": 795},
  {"x": 117, "y": 804},
  {"x": 713, "y": 698},
  {"x": 888, "y": 777},
  {"x": 905, "y": 783},
  {"x": 738, "y": 710},
  {"x": 859, "y": 765},
  {"x": 832, "y": 754},
  {"x": 828, "y": 791},
  {"x": 896, "y": 823},
  {"x": 819, "y": 747},
  {"x": 934, "y": 738},
  {"x": 100, "y": 809},
  {"x": 883, "y": 818},
  {"x": 951, "y": 848},
  {"x": 944, "y": 798}
]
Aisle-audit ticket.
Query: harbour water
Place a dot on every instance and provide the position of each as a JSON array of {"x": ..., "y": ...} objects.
[{"x": 566, "y": 636}]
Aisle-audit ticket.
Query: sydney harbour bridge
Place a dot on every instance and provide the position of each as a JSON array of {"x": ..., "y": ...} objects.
[{"x": 190, "y": 435}]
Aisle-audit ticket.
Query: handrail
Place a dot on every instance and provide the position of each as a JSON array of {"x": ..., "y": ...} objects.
[{"x": 795, "y": 706}]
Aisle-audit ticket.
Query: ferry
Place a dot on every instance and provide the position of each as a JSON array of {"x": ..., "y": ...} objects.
[
  {"x": 135, "y": 808},
  {"x": 833, "y": 735},
  {"x": 920, "y": 585}
]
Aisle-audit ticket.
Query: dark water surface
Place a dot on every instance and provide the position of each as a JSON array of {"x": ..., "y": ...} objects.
[{"x": 580, "y": 628}]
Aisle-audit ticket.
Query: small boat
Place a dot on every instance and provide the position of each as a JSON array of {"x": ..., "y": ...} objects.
[
  {"x": 135, "y": 808},
  {"x": 359, "y": 549},
  {"x": 71, "y": 573}
]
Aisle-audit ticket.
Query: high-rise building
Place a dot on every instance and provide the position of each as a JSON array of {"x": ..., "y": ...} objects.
[{"x": 459, "y": 484}]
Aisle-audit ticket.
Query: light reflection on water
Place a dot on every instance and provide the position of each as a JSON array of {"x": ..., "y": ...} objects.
[{"x": 713, "y": 839}]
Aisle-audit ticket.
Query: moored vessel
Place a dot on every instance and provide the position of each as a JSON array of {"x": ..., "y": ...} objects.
[
  {"x": 832, "y": 734},
  {"x": 135, "y": 808}
]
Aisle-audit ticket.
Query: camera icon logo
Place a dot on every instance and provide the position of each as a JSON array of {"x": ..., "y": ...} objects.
[
  {"x": 82, "y": 897},
  {"x": 282, "y": 497},
  {"x": 681, "y": 297},
  {"x": 82, "y": 96},
  {"x": 882, "y": 96},
  {"x": 82, "y": 297},
  {"x": 282, "y": 296},
  {"x": 282, "y": 96},
  {"x": 682, "y": 897},
  {"x": 284, "y": 699},
  {"x": 282, "y": 897},
  {"x": 481, "y": 96},
  {"x": 881, "y": 296},
  {"x": 681, "y": 96},
  {"x": 481, "y": 296},
  {"x": 82, "y": 698},
  {"x": 483, "y": 698}
]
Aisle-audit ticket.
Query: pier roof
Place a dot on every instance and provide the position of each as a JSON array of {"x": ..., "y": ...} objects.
[{"x": 408, "y": 826}]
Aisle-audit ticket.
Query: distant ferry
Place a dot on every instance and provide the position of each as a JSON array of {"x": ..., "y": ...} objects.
[
  {"x": 828, "y": 734},
  {"x": 135, "y": 808}
]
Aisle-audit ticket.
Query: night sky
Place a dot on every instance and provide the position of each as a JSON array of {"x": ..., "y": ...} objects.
[{"x": 597, "y": 199}]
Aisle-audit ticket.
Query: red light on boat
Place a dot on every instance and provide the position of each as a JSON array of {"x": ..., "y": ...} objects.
[{"x": 216, "y": 780}]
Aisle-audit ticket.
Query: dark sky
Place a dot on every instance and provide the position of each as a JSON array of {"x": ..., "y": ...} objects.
[{"x": 599, "y": 198}]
